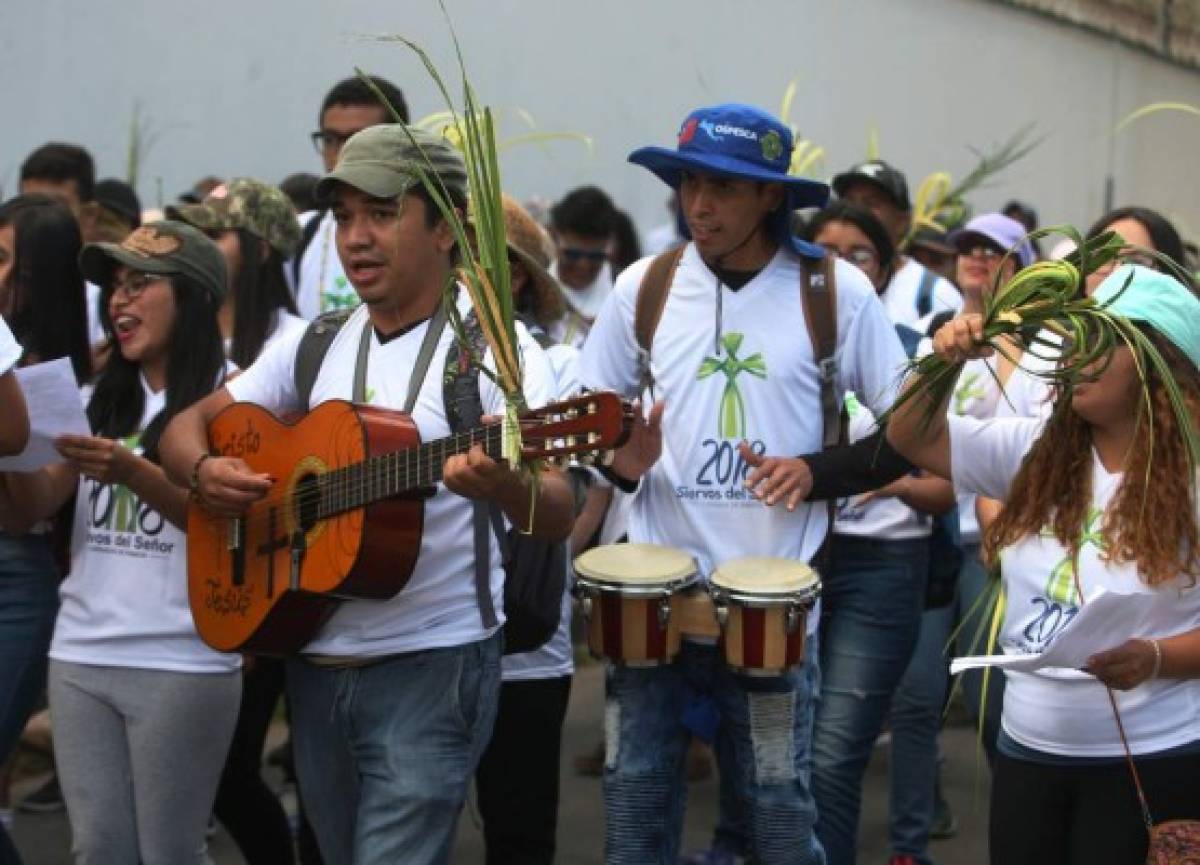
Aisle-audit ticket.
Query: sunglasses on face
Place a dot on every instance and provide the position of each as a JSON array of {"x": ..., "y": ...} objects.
[
  {"x": 591, "y": 256},
  {"x": 989, "y": 254}
]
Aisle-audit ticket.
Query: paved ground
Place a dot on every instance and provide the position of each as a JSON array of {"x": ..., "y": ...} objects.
[{"x": 44, "y": 839}]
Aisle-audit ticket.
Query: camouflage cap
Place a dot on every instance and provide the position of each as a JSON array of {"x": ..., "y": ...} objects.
[
  {"x": 260, "y": 208},
  {"x": 163, "y": 247},
  {"x": 380, "y": 161}
]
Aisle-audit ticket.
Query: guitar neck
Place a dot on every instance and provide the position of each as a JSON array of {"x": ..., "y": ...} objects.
[{"x": 389, "y": 475}]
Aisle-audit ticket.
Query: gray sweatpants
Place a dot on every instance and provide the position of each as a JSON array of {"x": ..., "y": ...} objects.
[{"x": 139, "y": 756}]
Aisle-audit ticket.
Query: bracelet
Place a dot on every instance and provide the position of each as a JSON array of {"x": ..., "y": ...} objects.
[
  {"x": 194, "y": 479},
  {"x": 1158, "y": 656}
]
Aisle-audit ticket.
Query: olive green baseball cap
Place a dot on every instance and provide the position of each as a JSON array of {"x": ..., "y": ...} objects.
[
  {"x": 382, "y": 162},
  {"x": 165, "y": 247},
  {"x": 260, "y": 208}
]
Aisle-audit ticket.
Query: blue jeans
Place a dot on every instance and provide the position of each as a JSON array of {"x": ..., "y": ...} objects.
[
  {"x": 28, "y": 606},
  {"x": 768, "y": 724},
  {"x": 916, "y": 720},
  {"x": 871, "y": 611},
  {"x": 385, "y": 752}
]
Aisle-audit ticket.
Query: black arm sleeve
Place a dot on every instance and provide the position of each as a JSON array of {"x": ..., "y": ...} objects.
[{"x": 848, "y": 470}]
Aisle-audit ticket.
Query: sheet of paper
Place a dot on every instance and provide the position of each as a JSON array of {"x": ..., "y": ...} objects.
[
  {"x": 1104, "y": 622},
  {"x": 52, "y": 398}
]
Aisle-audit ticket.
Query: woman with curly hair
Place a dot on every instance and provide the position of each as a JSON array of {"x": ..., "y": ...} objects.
[{"x": 1100, "y": 496}]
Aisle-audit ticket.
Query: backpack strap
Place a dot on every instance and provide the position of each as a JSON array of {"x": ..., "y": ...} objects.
[
  {"x": 460, "y": 397},
  {"x": 818, "y": 293},
  {"x": 925, "y": 293},
  {"x": 314, "y": 345},
  {"x": 648, "y": 309},
  {"x": 306, "y": 238}
]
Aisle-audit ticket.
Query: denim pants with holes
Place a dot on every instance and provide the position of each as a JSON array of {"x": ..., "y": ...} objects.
[
  {"x": 385, "y": 753},
  {"x": 767, "y": 721}
]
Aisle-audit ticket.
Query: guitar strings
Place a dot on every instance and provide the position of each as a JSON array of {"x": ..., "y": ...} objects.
[{"x": 351, "y": 481}]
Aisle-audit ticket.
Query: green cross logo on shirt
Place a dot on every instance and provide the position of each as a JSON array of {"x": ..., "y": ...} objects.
[
  {"x": 1061, "y": 586},
  {"x": 731, "y": 416},
  {"x": 969, "y": 388}
]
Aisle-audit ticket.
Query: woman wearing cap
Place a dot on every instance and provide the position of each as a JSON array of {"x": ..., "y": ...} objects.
[
  {"x": 874, "y": 588},
  {"x": 1092, "y": 503},
  {"x": 256, "y": 230},
  {"x": 142, "y": 710}
]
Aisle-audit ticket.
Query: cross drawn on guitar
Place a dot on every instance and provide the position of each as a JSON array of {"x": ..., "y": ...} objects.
[{"x": 348, "y": 506}]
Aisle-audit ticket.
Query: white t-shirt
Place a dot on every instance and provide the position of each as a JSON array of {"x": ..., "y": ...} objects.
[
  {"x": 323, "y": 285},
  {"x": 438, "y": 607},
  {"x": 762, "y": 386},
  {"x": 284, "y": 325},
  {"x": 1067, "y": 711},
  {"x": 886, "y": 518},
  {"x": 555, "y": 658},
  {"x": 976, "y": 394},
  {"x": 125, "y": 602},
  {"x": 10, "y": 349},
  {"x": 900, "y": 296},
  {"x": 583, "y": 305}
]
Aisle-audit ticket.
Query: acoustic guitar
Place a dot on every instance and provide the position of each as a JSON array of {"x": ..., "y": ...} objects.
[{"x": 344, "y": 517}]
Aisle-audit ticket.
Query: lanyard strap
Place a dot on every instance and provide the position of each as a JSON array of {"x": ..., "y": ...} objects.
[
  {"x": 428, "y": 345},
  {"x": 1112, "y": 701}
]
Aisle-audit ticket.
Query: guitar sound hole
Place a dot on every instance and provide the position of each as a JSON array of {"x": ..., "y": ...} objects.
[{"x": 307, "y": 500}]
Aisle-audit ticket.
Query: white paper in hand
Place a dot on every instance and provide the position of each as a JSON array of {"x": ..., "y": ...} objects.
[
  {"x": 52, "y": 398},
  {"x": 1106, "y": 621}
]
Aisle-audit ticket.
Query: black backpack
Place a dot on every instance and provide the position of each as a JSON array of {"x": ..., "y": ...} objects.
[{"x": 535, "y": 570}]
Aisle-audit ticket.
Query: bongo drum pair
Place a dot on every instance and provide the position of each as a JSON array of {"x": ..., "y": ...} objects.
[{"x": 638, "y": 600}]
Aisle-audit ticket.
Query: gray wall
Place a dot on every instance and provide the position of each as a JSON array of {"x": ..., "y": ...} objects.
[{"x": 232, "y": 87}]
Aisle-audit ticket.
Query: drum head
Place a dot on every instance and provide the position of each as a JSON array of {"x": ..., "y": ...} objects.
[
  {"x": 768, "y": 577},
  {"x": 636, "y": 565}
]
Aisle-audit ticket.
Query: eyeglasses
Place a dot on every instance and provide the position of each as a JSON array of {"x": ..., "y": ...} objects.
[
  {"x": 989, "y": 254},
  {"x": 859, "y": 256},
  {"x": 136, "y": 285},
  {"x": 592, "y": 256},
  {"x": 1134, "y": 257},
  {"x": 327, "y": 139}
]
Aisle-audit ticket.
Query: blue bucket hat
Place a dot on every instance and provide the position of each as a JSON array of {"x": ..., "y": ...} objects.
[{"x": 741, "y": 141}]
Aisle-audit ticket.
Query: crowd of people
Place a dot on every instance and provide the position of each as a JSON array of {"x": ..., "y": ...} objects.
[{"x": 761, "y": 340}]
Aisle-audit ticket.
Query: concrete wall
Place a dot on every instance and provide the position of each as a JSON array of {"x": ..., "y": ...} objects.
[{"x": 232, "y": 87}]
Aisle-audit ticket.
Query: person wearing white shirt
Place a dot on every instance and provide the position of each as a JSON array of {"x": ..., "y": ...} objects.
[
  {"x": 1092, "y": 501},
  {"x": 392, "y": 701},
  {"x": 874, "y": 588},
  {"x": 255, "y": 227},
  {"x": 583, "y": 225},
  {"x": 914, "y": 292},
  {"x": 719, "y": 471},
  {"x": 316, "y": 274},
  {"x": 517, "y": 782},
  {"x": 142, "y": 710}
]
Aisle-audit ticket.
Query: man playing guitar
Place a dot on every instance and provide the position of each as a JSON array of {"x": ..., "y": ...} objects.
[{"x": 392, "y": 703}]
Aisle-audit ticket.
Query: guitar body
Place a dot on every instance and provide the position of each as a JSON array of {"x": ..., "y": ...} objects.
[{"x": 265, "y": 583}]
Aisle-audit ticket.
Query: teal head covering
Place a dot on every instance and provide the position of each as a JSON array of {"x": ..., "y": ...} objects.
[{"x": 1145, "y": 295}]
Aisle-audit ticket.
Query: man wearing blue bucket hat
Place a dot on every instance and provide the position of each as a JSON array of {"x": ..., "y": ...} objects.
[{"x": 731, "y": 359}]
